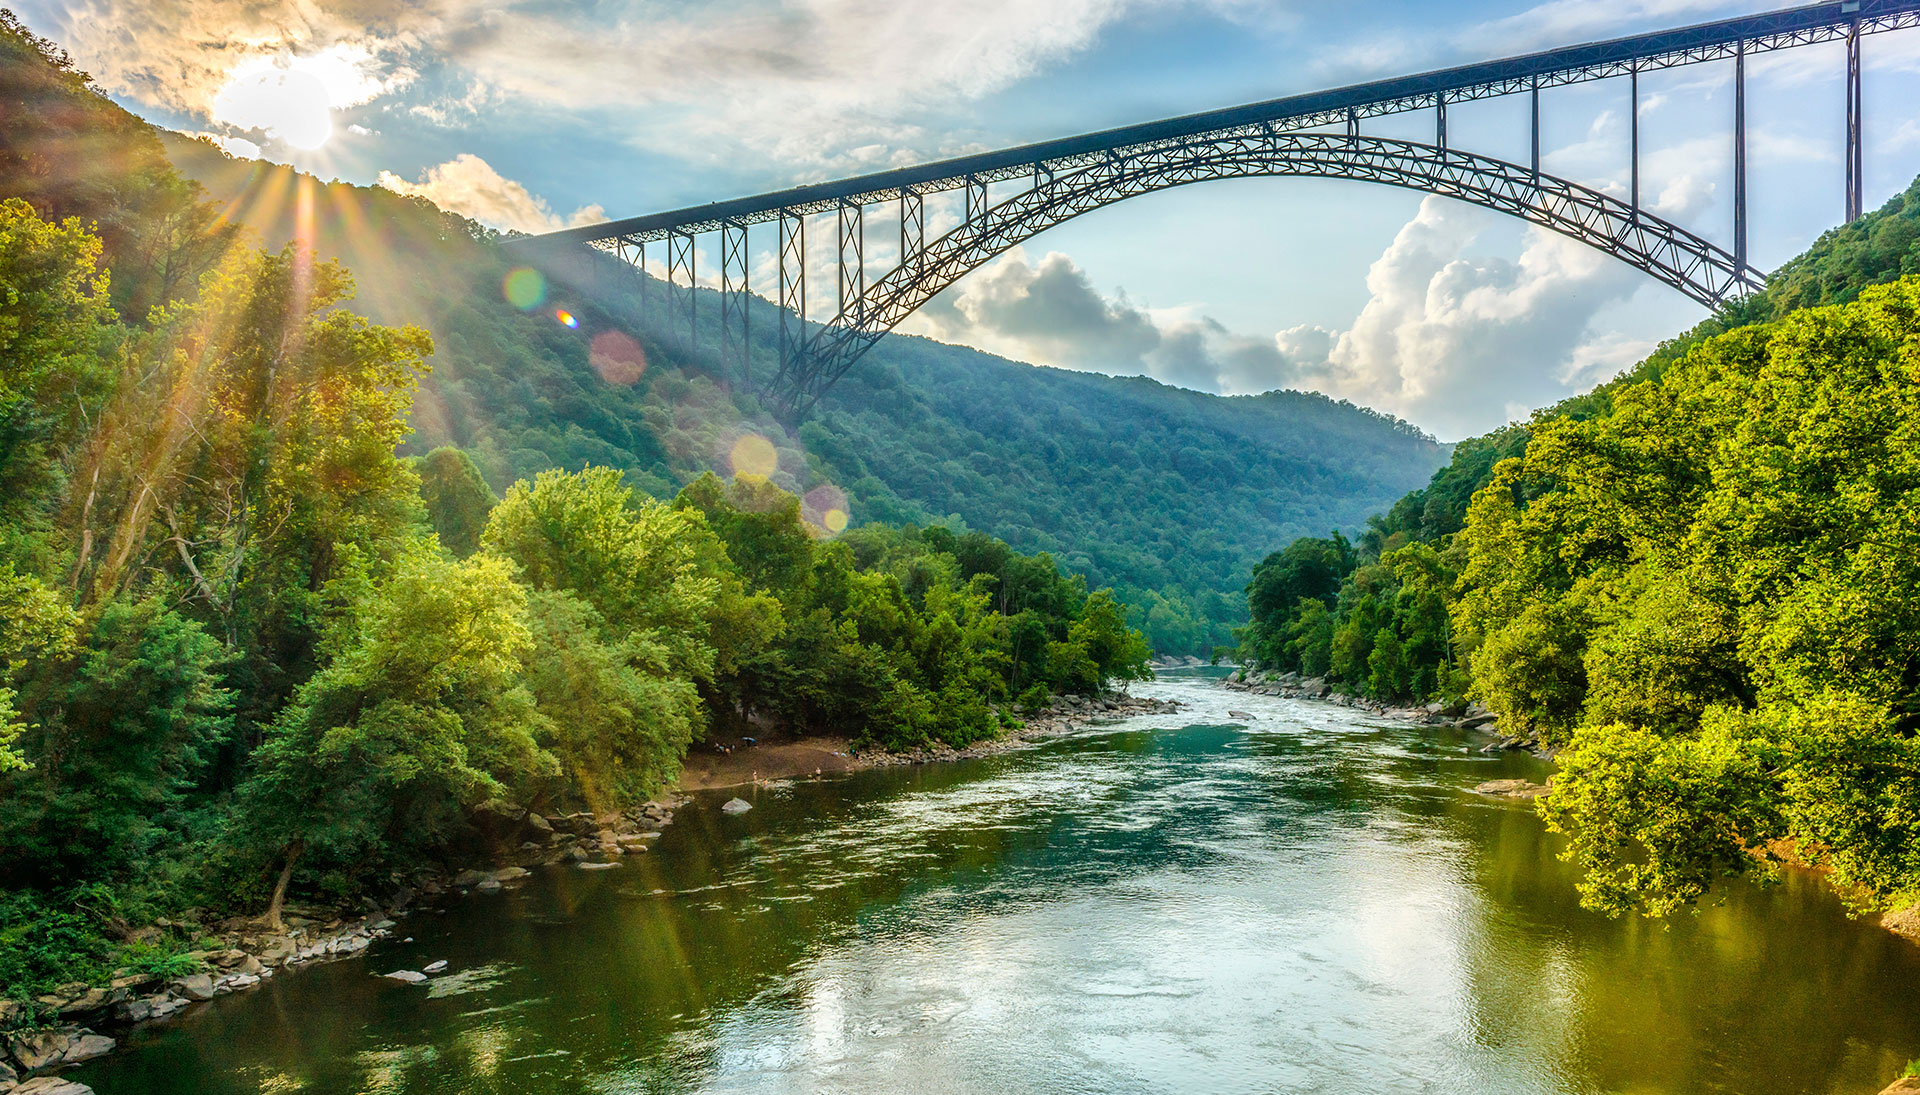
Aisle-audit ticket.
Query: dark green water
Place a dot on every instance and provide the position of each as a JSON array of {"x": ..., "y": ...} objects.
[{"x": 1303, "y": 903}]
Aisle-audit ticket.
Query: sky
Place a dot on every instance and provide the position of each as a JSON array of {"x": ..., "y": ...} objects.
[{"x": 534, "y": 115}]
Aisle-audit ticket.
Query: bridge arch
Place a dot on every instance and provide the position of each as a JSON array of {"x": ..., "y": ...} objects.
[{"x": 1671, "y": 254}]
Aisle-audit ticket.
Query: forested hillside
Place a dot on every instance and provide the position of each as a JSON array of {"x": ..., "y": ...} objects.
[
  {"x": 249, "y": 647},
  {"x": 1166, "y": 495},
  {"x": 1698, "y": 581}
]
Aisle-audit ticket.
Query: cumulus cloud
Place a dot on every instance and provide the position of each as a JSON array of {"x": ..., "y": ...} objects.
[
  {"x": 181, "y": 54},
  {"x": 1048, "y": 312},
  {"x": 469, "y": 186},
  {"x": 822, "y": 82},
  {"x": 1457, "y": 343}
]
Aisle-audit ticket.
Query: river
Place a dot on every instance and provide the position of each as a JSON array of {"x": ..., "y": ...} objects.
[{"x": 1307, "y": 901}]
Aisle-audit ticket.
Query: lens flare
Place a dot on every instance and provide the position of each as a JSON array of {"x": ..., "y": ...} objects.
[
  {"x": 566, "y": 319},
  {"x": 754, "y": 455},
  {"x": 525, "y": 288},
  {"x": 825, "y": 507},
  {"x": 617, "y": 358}
]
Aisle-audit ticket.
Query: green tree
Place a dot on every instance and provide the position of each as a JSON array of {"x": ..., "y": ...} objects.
[
  {"x": 457, "y": 498},
  {"x": 637, "y": 561},
  {"x": 121, "y": 729},
  {"x": 418, "y": 714},
  {"x": 58, "y": 339}
]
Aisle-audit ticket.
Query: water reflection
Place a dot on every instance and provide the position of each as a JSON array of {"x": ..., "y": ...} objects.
[{"x": 1303, "y": 902}]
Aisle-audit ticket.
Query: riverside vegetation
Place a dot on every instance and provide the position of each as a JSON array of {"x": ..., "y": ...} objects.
[
  {"x": 250, "y": 649},
  {"x": 1699, "y": 585}
]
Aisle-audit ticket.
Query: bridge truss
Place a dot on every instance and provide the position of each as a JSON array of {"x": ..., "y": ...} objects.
[{"x": 1312, "y": 135}]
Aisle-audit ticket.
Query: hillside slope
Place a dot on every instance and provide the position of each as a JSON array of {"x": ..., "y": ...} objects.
[{"x": 1165, "y": 494}]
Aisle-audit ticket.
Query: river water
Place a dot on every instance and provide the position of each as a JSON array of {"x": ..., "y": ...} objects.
[{"x": 1306, "y": 901}]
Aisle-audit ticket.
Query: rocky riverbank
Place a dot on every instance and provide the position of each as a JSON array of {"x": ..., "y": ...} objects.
[{"x": 240, "y": 954}]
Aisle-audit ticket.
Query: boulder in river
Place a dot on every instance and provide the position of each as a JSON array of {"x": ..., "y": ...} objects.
[
  {"x": 736, "y": 806},
  {"x": 1511, "y": 788},
  {"x": 1238, "y": 715},
  {"x": 86, "y": 1047},
  {"x": 194, "y": 986},
  {"x": 597, "y": 866},
  {"x": 1905, "y": 1085},
  {"x": 411, "y": 977},
  {"x": 434, "y": 967}
]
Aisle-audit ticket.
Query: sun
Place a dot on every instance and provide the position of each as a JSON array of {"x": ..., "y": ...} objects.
[{"x": 288, "y": 102}]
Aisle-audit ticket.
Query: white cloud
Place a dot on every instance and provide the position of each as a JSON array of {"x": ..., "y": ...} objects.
[
  {"x": 181, "y": 54},
  {"x": 1049, "y": 313},
  {"x": 1451, "y": 342},
  {"x": 469, "y": 186},
  {"x": 816, "y": 83},
  {"x": 1560, "y": 22}
]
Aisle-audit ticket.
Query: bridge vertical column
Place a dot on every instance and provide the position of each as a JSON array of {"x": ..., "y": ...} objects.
[
  {"x": 1740, "y": 155},
  {"x": 1440, "y": 120},
  {"x": 1536, "y": 131},
  {"x": 734, "y": 347},
  {"x": 1854, "y": 188},
  {"x": 976, "y": 198},
  {"x": 913, "y": 229},
  {"x": 793, "y": 290},
  {"x": 680, "y": 265},
  {"x": 853, "y": 262},
  {"x": 1353, "y": 128},
  {"x": 621, "y": 246},
  {"x": 1633, "y": 95}
]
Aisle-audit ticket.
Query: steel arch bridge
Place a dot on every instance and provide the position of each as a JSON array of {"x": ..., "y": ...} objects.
[{"x": 1317, "y": 135}]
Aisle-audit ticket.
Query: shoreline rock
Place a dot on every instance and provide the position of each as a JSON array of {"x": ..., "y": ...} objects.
[{"x": 1511, "y": 788}]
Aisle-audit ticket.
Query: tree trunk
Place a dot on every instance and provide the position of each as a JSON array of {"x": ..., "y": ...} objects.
[{"x": 274, "y": 906}]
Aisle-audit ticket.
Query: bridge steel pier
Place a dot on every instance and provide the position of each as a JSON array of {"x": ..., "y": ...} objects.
[
  {"x": 791, "y": 258},
  {"x": 735, "y": 349},
  {"x": 680, "y": 264}
]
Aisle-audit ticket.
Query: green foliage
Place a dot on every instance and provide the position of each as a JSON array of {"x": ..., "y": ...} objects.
[
  {"x": 418, "y": 713},
  {"x": 613, "y": 714},
  {"x": 637, "y": 561},
  {"x": 47, "y": 942},
  {"x": 57, "y": 340},
  {"x": 457, "y": 498},
  {"x": 1710, "y": 597},
  {"x": 125, "y": 724}
]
